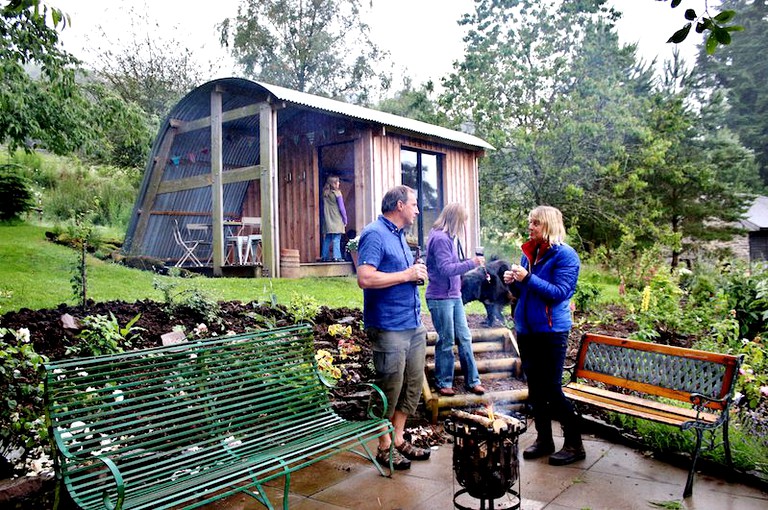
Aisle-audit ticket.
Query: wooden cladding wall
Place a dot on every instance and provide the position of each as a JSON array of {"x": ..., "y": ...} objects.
[
  {"x": 377, "y": 169},
  {"x": 460, "y": 176},
  {"x": 299, "y": 188}
]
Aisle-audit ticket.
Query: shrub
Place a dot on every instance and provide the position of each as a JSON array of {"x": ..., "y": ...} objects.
[
  {"x": 303, "y": 308},
  {"x": 586, "y": 296},
  {"x": 15, "y": 195},
  {"x": 21, "y": 392},
  {"x": 103, "y": 335}
]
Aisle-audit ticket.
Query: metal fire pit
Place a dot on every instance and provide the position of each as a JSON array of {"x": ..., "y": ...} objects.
[{"x": 485, "y": 459}]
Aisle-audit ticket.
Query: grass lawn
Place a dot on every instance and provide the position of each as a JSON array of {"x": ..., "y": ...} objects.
[{"x": 36, "y": 274}]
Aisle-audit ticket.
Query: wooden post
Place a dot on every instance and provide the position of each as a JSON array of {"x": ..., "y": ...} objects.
[
  {"x": 217, "y": 186},
  {"x": 270, "y": 210}
]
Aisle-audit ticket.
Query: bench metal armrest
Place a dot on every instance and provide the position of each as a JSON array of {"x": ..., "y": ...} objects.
[
  {"x": 327, "y": 382},
  {"x": 371, "y": 412},
  {"x": 118, "y": 479},
  {"x": 109, "y": 463},
  {"x": 699, "y": 402}
]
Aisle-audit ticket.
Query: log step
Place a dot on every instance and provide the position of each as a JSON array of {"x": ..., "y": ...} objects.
[
  {"x": 497, "y": 358},
  {"x": 477, "y": 347},
  {"x": 510, "y": 367}
]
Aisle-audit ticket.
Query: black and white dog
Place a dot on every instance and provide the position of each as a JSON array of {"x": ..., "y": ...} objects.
[{"x": 486, "y": 284}]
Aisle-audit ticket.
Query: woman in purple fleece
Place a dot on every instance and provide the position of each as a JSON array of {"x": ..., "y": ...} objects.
[{"x": 444, "y": 301}]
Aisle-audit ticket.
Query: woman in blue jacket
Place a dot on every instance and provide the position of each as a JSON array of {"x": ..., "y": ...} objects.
[
  {"x": 443, "y": 295},
  {"x": 544, "y": 282}
]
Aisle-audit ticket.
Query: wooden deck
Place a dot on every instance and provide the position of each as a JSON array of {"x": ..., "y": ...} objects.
[{"x": 316, "y": 269}]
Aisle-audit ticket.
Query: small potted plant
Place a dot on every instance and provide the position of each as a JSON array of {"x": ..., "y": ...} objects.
[{"x": 352, "y": 245}]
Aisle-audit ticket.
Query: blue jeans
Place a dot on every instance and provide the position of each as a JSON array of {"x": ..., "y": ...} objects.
[
  {"x": 335, "y": 241},
  {"x": 450, "y": 322}
]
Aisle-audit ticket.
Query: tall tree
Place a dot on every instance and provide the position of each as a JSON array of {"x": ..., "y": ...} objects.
[
  {"x": 697, "y": 178},
  {"x": 415, "y": 104},
  {"x": 316, "y": 46},
  {"x": 36, "y": 109},
  {"x": 739, "y": 70},
  {"x": 546, "y": 83},
  {"x": 149, "y": 69}
]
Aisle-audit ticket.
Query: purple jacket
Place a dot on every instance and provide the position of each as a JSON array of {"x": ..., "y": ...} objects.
[{"x": 443, "y": 267}]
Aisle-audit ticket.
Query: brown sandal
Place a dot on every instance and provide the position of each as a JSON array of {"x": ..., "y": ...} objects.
[{"x": 411, "y": 452}]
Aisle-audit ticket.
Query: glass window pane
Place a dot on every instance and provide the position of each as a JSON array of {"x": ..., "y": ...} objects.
[
  {"x": 408, "y": 163},
  {"x": 421, "y": 171}
]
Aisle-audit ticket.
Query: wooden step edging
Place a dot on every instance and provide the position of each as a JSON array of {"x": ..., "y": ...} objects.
[
  {"x": 434, "y": 402},
  {"x": 499, "y": 341}
]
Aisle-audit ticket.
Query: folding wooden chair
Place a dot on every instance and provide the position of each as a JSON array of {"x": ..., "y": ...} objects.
[
  {"x": 252, "y": 229},
  {"x": 188, "y": 246}
]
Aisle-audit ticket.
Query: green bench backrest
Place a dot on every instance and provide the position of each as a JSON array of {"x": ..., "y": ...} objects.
[
  {"x": 663, "y": 370},
  {"x": 174, "y": 399}
]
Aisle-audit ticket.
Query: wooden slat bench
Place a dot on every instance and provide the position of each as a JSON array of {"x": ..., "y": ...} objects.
[
  {"x": 628, "y": 376},
  {"x": 184, "y": 425}
]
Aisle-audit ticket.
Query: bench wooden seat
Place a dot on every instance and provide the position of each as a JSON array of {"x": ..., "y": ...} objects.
[
  {"x": 184, "y": 425},
  {"x": 634, "y": 378}
]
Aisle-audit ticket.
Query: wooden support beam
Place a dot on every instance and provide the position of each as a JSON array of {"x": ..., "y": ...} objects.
[
  {"x": 205, "y": 122},
  {"x": 246, "y": 173},
  {"x": 270, "y": 210},
  {"x": 217, "y": 185},
  {"x": 157, "y": 172}
]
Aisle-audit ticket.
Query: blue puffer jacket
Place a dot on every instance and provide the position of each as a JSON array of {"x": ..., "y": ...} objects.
[{"x": 543, "y": 298}]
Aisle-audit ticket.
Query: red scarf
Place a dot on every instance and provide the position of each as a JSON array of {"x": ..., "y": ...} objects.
[{"x": 534, "y": 250}]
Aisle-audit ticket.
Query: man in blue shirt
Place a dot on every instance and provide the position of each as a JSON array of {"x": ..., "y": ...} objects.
[{"x": 392, "y": 316}]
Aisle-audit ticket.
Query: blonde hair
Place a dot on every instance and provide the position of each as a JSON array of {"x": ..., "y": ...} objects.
[
  {"x": 551, "y": 220},
  {"x": 330, "y": 182},
  {"x": 451, "y": 219}
]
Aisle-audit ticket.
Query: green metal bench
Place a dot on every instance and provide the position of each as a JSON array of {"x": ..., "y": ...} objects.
[
  {"x": 184, "y": 425},
  {"x": 641, "y": 379}
]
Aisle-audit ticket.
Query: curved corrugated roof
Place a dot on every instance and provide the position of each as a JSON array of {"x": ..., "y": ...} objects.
[
  {"x": 188, "y": 157},
  {"x": 370, "y": 115}
]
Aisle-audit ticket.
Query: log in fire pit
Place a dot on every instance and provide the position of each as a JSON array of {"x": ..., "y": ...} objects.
[{"x": 485, "y": 458}]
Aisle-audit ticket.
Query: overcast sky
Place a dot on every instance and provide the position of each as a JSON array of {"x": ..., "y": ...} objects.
[{"x": 646, "y": 22}]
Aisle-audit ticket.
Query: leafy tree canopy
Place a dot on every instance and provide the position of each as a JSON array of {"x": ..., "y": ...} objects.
[
  {"x": 718, "y": 25},
  {"x": 580, "y": 125},
  {"x": 316, "y": 46},
  {"x": 32, "y": 110},
  {"x": 741, "y": 74}
]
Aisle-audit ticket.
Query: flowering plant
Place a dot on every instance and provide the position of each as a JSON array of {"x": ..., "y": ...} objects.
[
  {"x": 353, "y": 244},
  {"x": 21, "y": 391},
  {"x": 325, "y": 365}
]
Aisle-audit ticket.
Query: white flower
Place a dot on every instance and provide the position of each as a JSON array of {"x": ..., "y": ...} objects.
[
  {"x": 118, "y": 395},
  {"x": 23, "y": 335},
  {"x": 82, "y": 374}
]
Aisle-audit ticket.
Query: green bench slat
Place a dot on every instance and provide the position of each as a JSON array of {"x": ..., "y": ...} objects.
[{"x": 168, "y": 417}]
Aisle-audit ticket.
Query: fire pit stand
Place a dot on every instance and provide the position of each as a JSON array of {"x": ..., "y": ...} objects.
[{"x": 485, "y": 459}]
